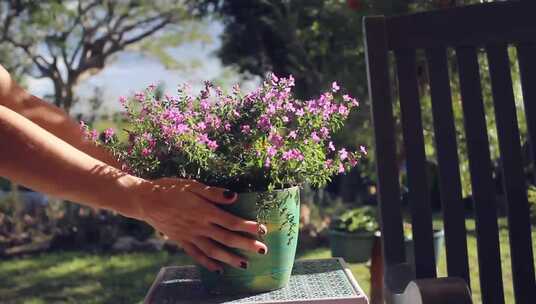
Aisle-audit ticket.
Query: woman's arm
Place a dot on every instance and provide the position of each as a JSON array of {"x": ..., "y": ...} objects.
[
  {"x": 49, "y": 117},
  {"x": 183, "y": 210}
]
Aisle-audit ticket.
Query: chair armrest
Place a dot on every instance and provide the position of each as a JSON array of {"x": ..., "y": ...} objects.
[
  {"x": 397, "y": 277},
  {"x": 449, "y": 290},
  {"x": 402, "y": 288}
]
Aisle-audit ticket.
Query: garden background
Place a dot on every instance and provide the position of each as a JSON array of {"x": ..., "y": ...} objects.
[{"x": 83, "y": 55}]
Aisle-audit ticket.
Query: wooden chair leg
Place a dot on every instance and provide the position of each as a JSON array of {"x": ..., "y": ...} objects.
[{"x": 376, "y": 273}]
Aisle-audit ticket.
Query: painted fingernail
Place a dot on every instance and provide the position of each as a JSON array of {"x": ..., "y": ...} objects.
[
  {"x": 262, "y": 230},
  {"x": 262, "y": 251},
  {"x": 228, "y": 194},
  {"x": 243, "y": 265}
]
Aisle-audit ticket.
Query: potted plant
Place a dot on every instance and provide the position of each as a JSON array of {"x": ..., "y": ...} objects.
[
  {"x": 263, "y": 145},
  {"x": 438, "y": 236},
  {"x": 351, "y": 235}
]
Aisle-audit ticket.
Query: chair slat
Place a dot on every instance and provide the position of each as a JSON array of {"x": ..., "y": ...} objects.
[
  {"x": 385, "y": 147},
  {"x": 481, "y": 180},
  {"x": 480, "y": 24},
  {"x": 421, "y": 213},
  {"x": 449, "y": 172},
  {"x": 526, "y": 55},
  {"x": 513, "y": 177}
]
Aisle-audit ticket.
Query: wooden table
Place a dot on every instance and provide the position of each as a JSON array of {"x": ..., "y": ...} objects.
[{"x": 312, "y": 281}]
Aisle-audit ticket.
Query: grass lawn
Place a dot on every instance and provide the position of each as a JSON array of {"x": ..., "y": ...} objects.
[{"x": 76, "y": 277}]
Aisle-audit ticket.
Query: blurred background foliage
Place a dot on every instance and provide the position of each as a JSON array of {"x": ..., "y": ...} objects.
[{"x": 317, "y": 41}]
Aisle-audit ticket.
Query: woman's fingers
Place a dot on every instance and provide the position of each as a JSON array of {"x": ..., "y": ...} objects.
[
  {"x": 212, "y": 194},
  {"x": 217, "y": 252},
  {"x": 235, "y": 240},
  {"x": 201, "y": 258},
  {"x": 235, "y": 223}
]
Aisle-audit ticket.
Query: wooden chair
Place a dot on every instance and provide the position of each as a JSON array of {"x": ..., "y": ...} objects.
[{"x": 492, "y": 26}]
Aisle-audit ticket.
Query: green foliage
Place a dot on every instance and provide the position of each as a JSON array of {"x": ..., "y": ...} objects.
[
  {"x": 263, "y": 140},
  {"x": 532, "y": 204},
  {"x": 361, "y": 219}
]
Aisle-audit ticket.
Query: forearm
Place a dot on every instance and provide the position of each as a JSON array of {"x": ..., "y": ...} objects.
[
  {"x": 34, "y": 157},
  {"x": 50, "y": 118}
]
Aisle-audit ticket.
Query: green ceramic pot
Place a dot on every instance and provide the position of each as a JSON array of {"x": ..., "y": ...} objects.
[
  {"x": 352, "y": 247},
  {"x": 265, "y": 272}
]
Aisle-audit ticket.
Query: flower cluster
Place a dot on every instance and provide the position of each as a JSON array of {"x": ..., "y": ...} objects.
[{"x": 261, "y": 140}]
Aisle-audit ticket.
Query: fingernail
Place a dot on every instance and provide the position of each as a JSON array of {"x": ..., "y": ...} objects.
[
  {"x": 228, "y": 194},
  {"x": 243, "y": 265},
  {"x": 262, "y": 251},
  {"x": 219, "y": 271},
  {"x": 262, "y": 230}
]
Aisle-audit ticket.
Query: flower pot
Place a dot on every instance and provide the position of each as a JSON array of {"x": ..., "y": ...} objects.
[
  {"x": 265, "y": 272},
  {"x": 352, "y": 247},
  {"x": 439, "y": 237}
]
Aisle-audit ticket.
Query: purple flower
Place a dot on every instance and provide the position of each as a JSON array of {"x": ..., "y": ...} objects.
[
  {"x": 324, "y": 132},
  {"x": 182, "y": 128},
  {"x": 245, "y": 129},
  {"x": 264, "y": 123},
  {"x": 267, "y": 162},
  {"x": 123, "y": 100},
  {"x": 201, "y": 126},
  {"x": 300, "y": 112},
  {"x": 331, "y": 146},
  {"x": 93, "y": 135},
  {"x": 271, "y": 109},
  {"x": 315, "y": 137},
  {"x": 274, "y": 79},
  {"x": 292, "y": 134},
  {"x": 271, "y": 151},
  {"x": 212, "y": 144},
  {"x": 204, "y": 104},
  {"x": 328, "y": 163},
  {"x": 275, "y": 139},
  {"x": 343, "y": 154},
  {"x": 363, "y": 150},
  {"x": 341, "y": 168},
  {"x": 290, "y": 81},
  {"x": 293, "y": 154},
  {"x": 343, "y": 110},
  {"x": 108, "y": 134},
  {"x": 146, "y": 152},
  {"x": 335, "y": 87}
]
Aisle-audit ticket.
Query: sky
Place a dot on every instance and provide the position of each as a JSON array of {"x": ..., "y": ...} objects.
[{"x": 131, "y": 71}]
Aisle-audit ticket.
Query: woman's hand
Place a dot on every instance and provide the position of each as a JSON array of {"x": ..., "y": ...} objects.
[{"x": 185, "y": 211}]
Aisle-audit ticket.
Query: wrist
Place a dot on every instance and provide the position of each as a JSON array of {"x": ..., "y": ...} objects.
[{"x": 128, "y": 200}]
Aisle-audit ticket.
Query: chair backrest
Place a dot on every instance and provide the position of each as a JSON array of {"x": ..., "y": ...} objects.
[{"x": 465, "y": 30}]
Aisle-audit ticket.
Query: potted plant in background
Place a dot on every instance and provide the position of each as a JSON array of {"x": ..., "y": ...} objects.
[
  {"x": 263, "y": 145},
  {"x": 351, "y": 235},
  {"x": 439, "y": 237}
]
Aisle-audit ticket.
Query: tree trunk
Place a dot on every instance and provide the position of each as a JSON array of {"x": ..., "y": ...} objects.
[{"x": 64, "y": 94}]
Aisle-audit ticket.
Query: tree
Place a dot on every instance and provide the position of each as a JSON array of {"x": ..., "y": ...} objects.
[{"x": 67, "y": 41}]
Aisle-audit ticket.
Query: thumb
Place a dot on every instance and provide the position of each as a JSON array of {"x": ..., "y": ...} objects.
[{"x": 213, "y": 194}]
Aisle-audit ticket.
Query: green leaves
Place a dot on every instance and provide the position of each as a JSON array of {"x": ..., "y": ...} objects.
[{"x": 357, "y": 220}]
